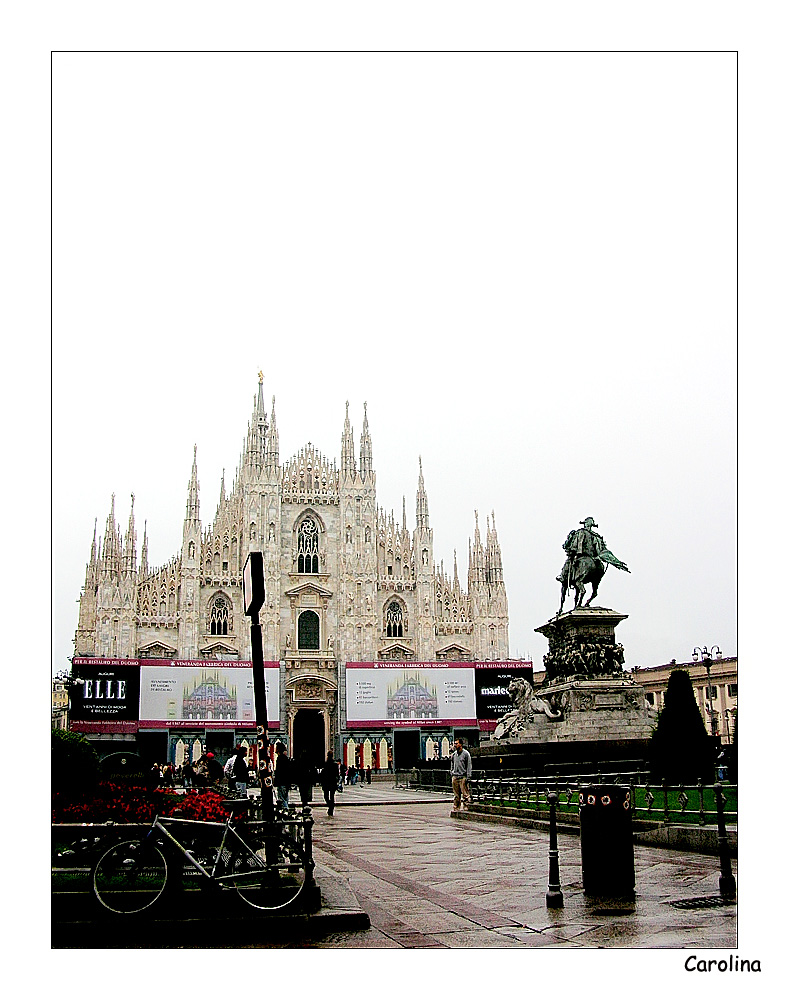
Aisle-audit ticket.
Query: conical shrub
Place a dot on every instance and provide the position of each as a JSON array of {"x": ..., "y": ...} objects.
[{"x": 681, "y": 750}]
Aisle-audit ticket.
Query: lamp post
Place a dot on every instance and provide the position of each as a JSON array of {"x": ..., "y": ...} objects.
[{"x": 706, "y": 656}]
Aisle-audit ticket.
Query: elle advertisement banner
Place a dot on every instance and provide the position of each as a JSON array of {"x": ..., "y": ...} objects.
[{"x": 104, "y": 695}]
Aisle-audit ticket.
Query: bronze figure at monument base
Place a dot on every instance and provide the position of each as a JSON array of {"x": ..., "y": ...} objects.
[{"x": 582, "y": 643}]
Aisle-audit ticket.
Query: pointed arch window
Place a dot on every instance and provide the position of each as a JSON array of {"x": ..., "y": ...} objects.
[
  {"x": 220, "y": 619},
  {"x": 308, "y": 546},
  {"x": 393, "y": 620},
  {"x": 309, "y": 630}
]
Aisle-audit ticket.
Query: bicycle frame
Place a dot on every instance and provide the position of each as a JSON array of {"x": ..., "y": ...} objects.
[{"x": 234, "y": 878}]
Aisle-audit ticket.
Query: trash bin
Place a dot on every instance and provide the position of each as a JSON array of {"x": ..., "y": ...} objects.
[{"x": 607, "y": 863}]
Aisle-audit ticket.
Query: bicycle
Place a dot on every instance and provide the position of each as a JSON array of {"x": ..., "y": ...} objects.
[{"x": 270, "y": 873}]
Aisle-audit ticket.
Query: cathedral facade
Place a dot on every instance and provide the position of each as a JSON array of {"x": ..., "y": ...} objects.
[{"x": 345, "y": 580}]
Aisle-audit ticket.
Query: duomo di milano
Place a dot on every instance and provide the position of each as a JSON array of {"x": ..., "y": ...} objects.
[{"x": 345, "y": 583}]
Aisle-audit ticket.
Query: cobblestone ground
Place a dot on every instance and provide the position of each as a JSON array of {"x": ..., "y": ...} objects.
[{"x": 430, "y": 881}]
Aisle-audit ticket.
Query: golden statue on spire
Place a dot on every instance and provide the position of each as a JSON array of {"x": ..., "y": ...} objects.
[{"x": 260, "y": 378}]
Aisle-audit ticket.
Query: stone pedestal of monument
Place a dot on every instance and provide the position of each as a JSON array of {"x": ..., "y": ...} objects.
[{"x": 589, "y": 712}]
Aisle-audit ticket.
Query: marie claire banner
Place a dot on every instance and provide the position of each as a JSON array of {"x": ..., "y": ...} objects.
[
  {"x": 492, "y": 688},
  {"x": 395, "y": 694}
]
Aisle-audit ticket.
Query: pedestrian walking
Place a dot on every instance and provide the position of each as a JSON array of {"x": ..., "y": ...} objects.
[
  {"x": 305, "y": 777},
  {"x": 460, "y": 769},
  {"x": 240, "y": 772},
  {"x": 282, "y": 775},
  {"x": 189, "y": 774},
  {"x": 369, "y": 775},
  {"x": 329, "y": 778},
  {"x": 343, "y": 774}
]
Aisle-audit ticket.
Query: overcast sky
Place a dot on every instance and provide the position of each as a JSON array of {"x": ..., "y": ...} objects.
[{"x": 525, "y": 264}]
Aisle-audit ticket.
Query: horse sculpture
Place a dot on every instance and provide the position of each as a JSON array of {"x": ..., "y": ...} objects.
[{"x": 586, "y": 569}]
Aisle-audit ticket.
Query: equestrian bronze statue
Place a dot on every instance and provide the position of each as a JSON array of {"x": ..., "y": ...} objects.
[{"x": 587, "y": 560}]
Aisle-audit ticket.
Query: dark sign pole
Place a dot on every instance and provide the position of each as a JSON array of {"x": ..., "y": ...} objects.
[{"x": 254, "y": 596}]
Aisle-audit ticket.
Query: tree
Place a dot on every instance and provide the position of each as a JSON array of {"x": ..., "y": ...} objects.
[
  {"x": 75, "y": 764},
  {"x": 680, "y": 750}
]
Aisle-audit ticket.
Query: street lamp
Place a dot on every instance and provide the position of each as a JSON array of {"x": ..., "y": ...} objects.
[{"x": 707, "y": 656}]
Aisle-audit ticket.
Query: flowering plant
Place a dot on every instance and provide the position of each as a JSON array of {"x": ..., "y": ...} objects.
[{"x": 121, "y": 803}]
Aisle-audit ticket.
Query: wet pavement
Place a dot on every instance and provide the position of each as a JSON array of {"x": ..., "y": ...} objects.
[
  {"x": 429, "y": 880},
  {"x": 397, "y": 870}
]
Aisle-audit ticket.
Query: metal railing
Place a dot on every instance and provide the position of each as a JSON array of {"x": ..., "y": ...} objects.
[
  {"x": 76, "y": 846},
  {"x": 663, "y": 803}
]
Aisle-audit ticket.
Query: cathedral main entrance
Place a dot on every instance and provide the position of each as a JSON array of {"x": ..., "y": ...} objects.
[{"x": 309, "y": 736}]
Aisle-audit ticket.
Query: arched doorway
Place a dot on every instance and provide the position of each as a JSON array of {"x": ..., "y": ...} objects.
[{"x": 309, "y": 736}]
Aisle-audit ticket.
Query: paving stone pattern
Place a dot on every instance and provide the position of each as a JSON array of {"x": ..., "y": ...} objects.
[{"x": 428, "y": 880}]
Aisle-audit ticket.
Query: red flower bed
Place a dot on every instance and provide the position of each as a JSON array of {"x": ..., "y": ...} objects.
[{"x": 111, "y": 801}]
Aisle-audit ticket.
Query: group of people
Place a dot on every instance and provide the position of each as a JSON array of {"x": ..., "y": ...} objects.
[
  {"x": 207, "y": 772},
  {"x": 203, "y": 773},
  {"x": 304, "y": 775},
  {"x": 350, "y": 775}
]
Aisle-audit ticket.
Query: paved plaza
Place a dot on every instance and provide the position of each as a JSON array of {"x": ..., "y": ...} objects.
[{"x": 428, "y": 880}]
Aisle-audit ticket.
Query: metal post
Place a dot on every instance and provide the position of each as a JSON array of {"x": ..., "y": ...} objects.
[
  {"x": 309, "y": 863},
  {"x": 726, "y": 883},
  {"x": 554, "y": 898},
  {"x": 261, "y": 712}
]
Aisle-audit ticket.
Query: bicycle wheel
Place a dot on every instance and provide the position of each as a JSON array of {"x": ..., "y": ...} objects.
[
  {"x": 130, "y": 877},
  {"x": 271, "y": 879}
]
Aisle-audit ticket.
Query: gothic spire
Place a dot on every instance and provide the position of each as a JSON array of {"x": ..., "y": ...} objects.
[
  {"x": 130, "y": 545},
  {"x": 422, "y": 516},
  {"x": 193, "y": 499},
  {"x": 272, "y": 448},
  {"x": 348, "y": 456},
  {"x": 493, "y": 554},
  {"x": 111, "y": 553},
  {"x": 476, "y": 566},
  {"x": 144, "y": 554},
  {"x": 261, "y": 423},
  {"x": 365, "y": 449}
]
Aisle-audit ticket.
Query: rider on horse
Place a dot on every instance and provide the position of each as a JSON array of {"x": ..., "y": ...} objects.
[{"x": 587, "y": 560}]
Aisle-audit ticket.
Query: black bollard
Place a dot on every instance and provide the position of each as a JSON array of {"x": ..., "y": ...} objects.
[
  {"x": 554, "y": 898},
  {"x": 726, "y": 883}
]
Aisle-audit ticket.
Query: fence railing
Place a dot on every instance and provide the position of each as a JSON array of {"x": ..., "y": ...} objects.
[{"x": 656, "y": 802}]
